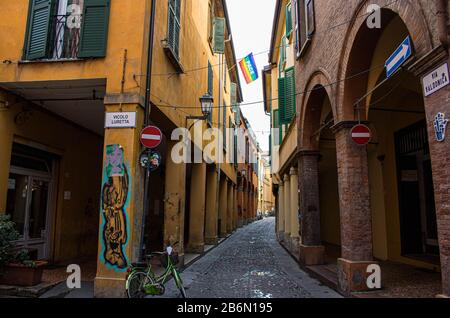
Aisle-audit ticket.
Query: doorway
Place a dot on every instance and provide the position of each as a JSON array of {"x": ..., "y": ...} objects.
[
  {"x": 29, "y": 198},
  {"x": 416, "y": 192}
]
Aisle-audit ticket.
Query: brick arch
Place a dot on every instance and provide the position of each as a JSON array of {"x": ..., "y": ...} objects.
[
  {"x": 411, "y": 14},
  {"x": 318, "y": 87}
]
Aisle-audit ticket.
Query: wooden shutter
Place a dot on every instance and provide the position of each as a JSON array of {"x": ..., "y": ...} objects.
[
  {"x": 94, "y": 29},
  {"x": 224, "y": 109},
  {"x": 277, "y": 127},
  {"x": 38, "y": 29},
  {"x": 219, "y": 35},
  {"x": 290, "y": 96},
  {"x": 233, "y": 95},
  {"x": 288, "y": 20},
  {"x": 174, "y": 26},
  {"x": 282, "y": 100},
  {"x": 210, "y": 79}
]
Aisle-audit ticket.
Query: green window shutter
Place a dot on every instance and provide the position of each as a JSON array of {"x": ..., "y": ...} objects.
[
  {"x": 38, "y": 29},
  {"x": 233, "y": 95},
  {"x": 174, "y": 26},
  {"x": 288, "y": 19},
  {"x": 270, "y": 145},
  {"x": 282, "y": 102},
  {"x": 277, "y": 128},
  {"x": 290, "y": 95},
  {"x": 219, "y": 35},
  {"x": 94, "y": 29},
  {"x": 224, "y": 109},
  {"x": 238, "y": 116},
  {"x": 210, "y": 79},
  {"x": 235, "y": 148}
]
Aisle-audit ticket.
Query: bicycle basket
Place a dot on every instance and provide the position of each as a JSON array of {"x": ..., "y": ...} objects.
[{"x": 164, "y": 258}]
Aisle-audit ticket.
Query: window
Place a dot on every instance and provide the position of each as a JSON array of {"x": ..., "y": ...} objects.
[
  {"x": 305, "y": 24},
  {"x": 282, "y": 55},
  {"x": 289, "y": 20},
  {"x": 66, "y": 29},
  {"x": 210, "y": 89},
  {"x": 210, "y": 21},
  {"x": 173, "y": 30},
  {"x": 286, "y": 96},
  {"x": 277, "y": 128},
  {"x": 224, "y": 109},
  {"x": 225, "y": 71},
  {"x": 210, "y": 79}
]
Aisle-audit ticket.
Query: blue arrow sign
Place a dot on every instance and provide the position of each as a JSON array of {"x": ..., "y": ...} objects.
[{"x": 399, "y": 57}]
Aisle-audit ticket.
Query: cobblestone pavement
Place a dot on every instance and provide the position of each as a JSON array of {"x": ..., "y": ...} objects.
[{"x": 250, "y": 264}]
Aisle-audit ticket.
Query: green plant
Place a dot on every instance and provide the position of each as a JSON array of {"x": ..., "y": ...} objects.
[
  {"x": 8, "y": 234},
  {"x": 23, "y": 257}
]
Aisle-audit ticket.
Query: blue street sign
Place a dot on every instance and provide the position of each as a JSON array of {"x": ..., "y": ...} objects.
[{"x": 399, "y": 57}]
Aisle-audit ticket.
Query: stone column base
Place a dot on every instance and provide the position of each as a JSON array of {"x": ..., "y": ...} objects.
[
  {"x": 312, "y": 255},
  {"x": 109, "y": 288},
  {"x": 295, "y": 246},
  {"x": 195, "y": 248},
  {"x": 352, "y": 276},
  {"x": 280, "y": 236},
  {"x": 211, "y": 240}
]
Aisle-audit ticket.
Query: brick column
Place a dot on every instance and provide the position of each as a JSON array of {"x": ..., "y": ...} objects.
[
  {"x": 311, "y": 250},
  {"x": 280, "y": 211},
  {"x": 197, "y": 209},
  {"x": 436, "y": 103},
  {"x": 355, "y": 213}
]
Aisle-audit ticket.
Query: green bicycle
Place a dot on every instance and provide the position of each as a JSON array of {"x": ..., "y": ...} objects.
[{"x": 142, "y": 281}]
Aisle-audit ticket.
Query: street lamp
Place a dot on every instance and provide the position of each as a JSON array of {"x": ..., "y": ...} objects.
[{"x": 206, "y": 102}]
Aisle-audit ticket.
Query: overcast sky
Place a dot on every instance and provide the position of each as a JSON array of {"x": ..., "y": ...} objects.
[{"x": 251, "y": 25}]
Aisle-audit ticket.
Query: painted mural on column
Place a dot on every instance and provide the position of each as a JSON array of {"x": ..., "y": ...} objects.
[{"x": 115, "y": 196}]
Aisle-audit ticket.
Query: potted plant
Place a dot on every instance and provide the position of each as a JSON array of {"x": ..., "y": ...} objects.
[{"x": 16, "y": 268}]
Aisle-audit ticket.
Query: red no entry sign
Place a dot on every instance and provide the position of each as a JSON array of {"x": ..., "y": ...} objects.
[
  {"x": 151, "y": 137},
  {"x": 361, "y": 135}
]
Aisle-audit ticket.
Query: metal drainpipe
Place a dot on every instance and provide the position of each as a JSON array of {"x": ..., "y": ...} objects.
[
  {"x": 442, "y": 15},
  {"x": 146, "y": 123}
]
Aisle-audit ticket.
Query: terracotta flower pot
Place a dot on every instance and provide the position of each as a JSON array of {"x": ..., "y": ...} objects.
[{"x": 21, "y": 275}]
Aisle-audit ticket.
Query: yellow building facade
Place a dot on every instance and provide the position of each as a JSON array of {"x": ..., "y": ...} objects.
[
  {"x": 72, "y": 107},
  {"x": 279, "y": 94}
]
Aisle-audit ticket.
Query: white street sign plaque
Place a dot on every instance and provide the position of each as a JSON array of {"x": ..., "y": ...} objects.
[
  {"x": 436, "y": 80},
  {"x": 120, "y": 120}
]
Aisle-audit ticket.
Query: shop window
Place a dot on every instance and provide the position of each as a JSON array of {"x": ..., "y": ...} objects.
[{"x": 66, "y": 29}]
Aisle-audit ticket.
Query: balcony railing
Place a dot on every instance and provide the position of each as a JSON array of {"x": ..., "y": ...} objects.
[{"x": 64, "y": 37}]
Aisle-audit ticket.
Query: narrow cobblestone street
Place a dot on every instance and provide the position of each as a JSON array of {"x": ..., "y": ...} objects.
[{"x": 250, "y": 264}]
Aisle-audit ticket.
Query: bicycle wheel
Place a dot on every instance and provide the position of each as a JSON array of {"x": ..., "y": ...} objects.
[{"x": 136, "y": 283}]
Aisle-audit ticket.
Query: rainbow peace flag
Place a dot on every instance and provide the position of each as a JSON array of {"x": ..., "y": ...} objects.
[{"x": 248, "y": 68}]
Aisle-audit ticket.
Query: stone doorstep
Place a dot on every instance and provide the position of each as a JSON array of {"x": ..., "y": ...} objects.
[{"x": 28, "y": 292}]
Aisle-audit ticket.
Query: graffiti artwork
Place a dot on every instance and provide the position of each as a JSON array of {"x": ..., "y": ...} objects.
[{"x": 114, "y": 201}]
